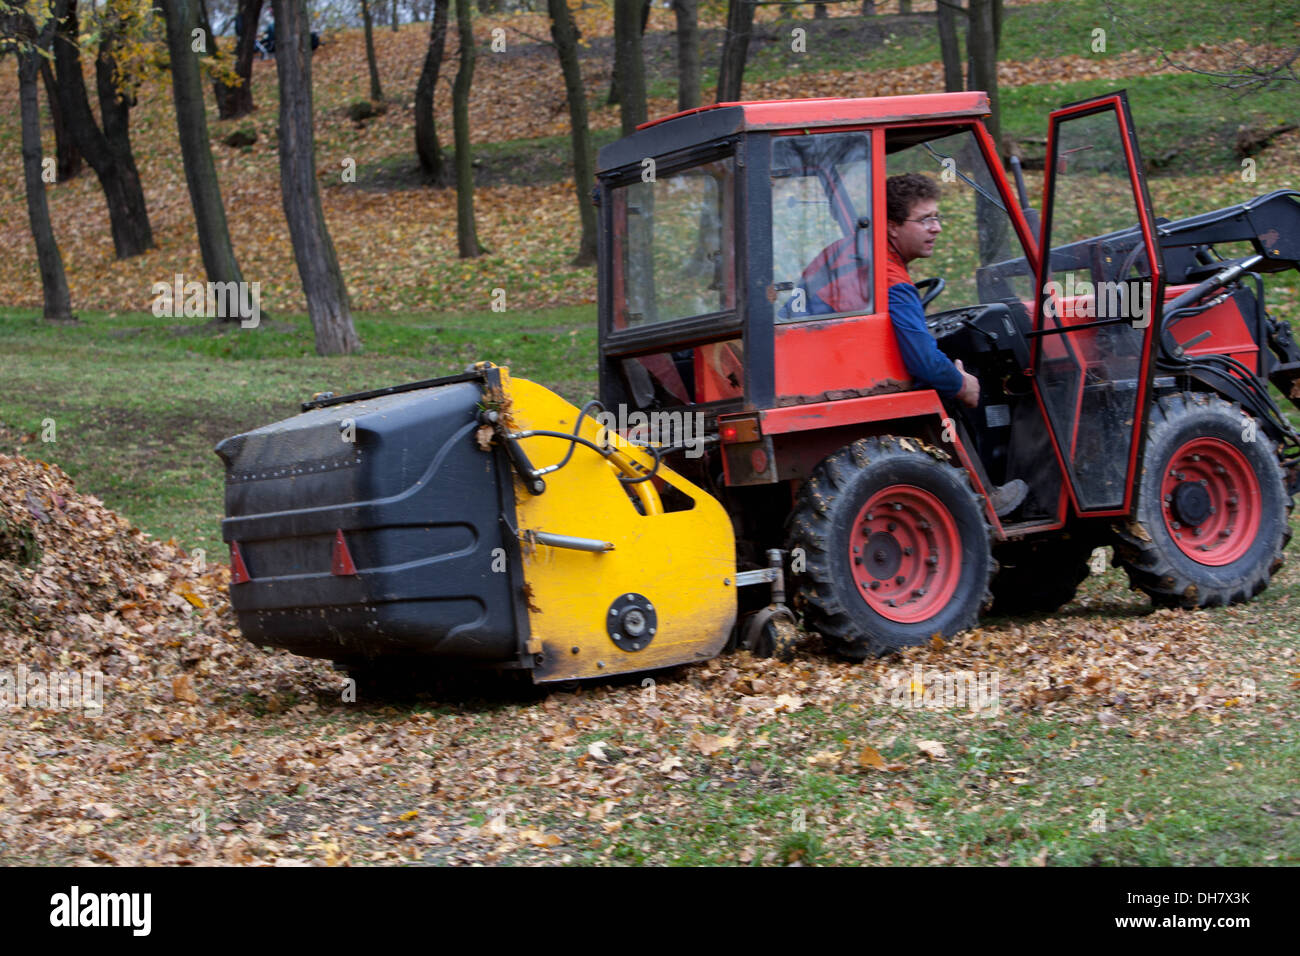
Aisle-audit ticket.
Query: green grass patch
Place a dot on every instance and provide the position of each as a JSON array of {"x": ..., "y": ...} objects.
[{"x": 138, "y": 403}]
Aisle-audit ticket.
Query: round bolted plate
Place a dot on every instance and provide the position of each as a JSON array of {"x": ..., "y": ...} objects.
[{"x": 631, "y": 622}]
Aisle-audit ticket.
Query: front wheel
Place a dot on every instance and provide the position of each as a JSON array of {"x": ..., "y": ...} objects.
[
  {"x": 895, "y": 547},
  {"x": 1211, "y": 517}
]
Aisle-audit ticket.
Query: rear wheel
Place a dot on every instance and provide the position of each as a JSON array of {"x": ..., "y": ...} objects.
[
  {"x": 1211, "y": 517},
  {"x": 895, "y": 547}
]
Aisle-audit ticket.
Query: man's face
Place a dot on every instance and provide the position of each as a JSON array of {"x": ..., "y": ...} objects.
[{"x": 915, "y": 239}]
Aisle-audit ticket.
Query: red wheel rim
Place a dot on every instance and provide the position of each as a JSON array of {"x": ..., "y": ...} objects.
[
  {"x": 905, "y": 553},
  {"x": 1211, "y": 501}
]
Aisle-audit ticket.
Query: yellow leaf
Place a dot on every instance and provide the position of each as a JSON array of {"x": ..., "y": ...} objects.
[
  {"x": 409, "y": 815},
  {"x": 183, "y": 689},
  {"x": 538, "y": 838},
  {"x": 709, "y": 744},
  {"x": 870, "y": 757}
]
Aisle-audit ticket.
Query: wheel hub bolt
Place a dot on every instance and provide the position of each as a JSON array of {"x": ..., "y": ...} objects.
[
  {"x": 1224, "y": 533},
  {"x": 1196, "y": 458},
  {"x": 919, "y": 592},
  {"x": 1175, "y": 525},
  {"x": 1204, "y": 483},
  {"x": 896, "y": 506},
  {"x": 931, "y": 560},
  {"x": 890, "y": 526},
  {"x": 923, "y": 525},
  {"x": 1220, "y": 470},
  {"x": 874, "y": 585},
  {"x": 907, "y": 552},
  {"x": 1212, "y": 509},
  {"x": 871, "y": 516},
  {"x": 1232, "y": 502},
  {"x": 900, "y": 579}
]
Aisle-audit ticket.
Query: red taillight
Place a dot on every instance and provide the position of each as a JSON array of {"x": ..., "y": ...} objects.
[
  {"x": 342, "y": 563},
  {"x": 238, "y": 571},
  {"x": 740, "y": 430}
]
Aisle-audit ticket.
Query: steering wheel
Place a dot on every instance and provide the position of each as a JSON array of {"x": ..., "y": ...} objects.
[{"x": 935, "y": 285}]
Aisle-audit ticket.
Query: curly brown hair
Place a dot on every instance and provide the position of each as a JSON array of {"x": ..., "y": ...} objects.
[{"x": 905, "y": 191}]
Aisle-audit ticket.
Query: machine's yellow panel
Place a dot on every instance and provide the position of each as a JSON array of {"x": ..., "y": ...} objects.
[{"x": 670, "y": 574}]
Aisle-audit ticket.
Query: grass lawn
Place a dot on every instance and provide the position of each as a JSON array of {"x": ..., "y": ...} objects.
[{"x": 139, "y": 402}]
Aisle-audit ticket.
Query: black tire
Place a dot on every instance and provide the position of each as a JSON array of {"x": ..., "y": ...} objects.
[
  {"x": 1237, "y": 562},
  {"x": 1040, "y": 575},
  {"x": 835, "y": 587}
]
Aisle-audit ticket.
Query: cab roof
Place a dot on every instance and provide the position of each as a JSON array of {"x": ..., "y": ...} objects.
[{"x": 709, "y": 123}]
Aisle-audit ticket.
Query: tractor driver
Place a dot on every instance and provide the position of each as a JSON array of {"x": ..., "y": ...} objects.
[{"x": 912, "y": 207}]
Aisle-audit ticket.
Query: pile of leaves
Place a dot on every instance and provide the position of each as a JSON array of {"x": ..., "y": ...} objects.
[{"x": 211, "y": 751}]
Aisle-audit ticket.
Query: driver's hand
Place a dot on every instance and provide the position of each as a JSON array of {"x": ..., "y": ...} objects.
[{"x": 970, "y": 388}]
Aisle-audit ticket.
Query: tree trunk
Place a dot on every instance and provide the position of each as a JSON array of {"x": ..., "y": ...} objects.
[
  {"x": 236, "y": 101},
  {"x": 394, "y": 16},
  {"x": 616, "y": 74},
  {"x": 868, "y": 8},
  {"x": 115, "y": 113},
  {"x": 820, "y": 12},
  {"x": 108, "y": 151},
  {"x": 313, "y": 250},
  {"x": 67, "y": 163},
  {"x": 688, "y": 53},
  {"x": 427, "y": 149},
  {"x": 904, "y": 6},
  {"x": 376, "y": 92},
  {"x": 54, "y": 282},
  {"x": 466, "y": 232},
  {"x": 735, "y": 50},
  {"x": 949, "y": 45},
  {"x": 983, "y": 50},
  {"x": 196, "y": 151},
  {"x": 629, "y": 63},
  {"x": 565, "y": 34}
]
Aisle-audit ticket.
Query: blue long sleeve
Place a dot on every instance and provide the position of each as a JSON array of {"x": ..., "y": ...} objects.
[{"x": 925, "y": 363}]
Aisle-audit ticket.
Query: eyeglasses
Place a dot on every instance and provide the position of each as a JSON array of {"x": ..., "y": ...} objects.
[{"x": 929, "y": 221}]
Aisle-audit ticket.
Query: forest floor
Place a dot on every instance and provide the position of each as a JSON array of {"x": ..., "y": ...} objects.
[{"x": 1118, "y": 735}]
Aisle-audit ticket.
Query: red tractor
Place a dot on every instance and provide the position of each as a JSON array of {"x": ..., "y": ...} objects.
[{"x": 1122, "y": 379}]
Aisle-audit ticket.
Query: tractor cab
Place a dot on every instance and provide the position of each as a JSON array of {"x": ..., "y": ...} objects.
[{"x": 743, "y": 276}]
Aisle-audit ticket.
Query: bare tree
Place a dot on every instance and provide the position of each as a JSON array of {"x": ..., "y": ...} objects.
[
  {"x": 982, "y": 46},
  {"x": 565, "y": 34},
  {"x": 629, "y": 63},
  {"x": 735, "y": 49},
  {"x": 427, "y": 149},
  {"x": 196, "y": 151},
  {"x": 313, "y": 250},
  {"x": 688, "y": 53},
  {"x": 466, "y": 230},
  {"x": 376, "y": 92},
  {"x": 107, "y": 150},
  {"x": 949, "y": 44},
  {"x": 236, "y": 99},
  {"x": 20, "y": 31},
  {"x": 67, "y": 163}
]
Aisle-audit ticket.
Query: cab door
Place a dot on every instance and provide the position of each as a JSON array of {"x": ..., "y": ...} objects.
[{"x": 1096, "y": 314}]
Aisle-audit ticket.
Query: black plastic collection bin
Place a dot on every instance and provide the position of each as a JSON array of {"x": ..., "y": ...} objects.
[{"x": 376, "y": 526}]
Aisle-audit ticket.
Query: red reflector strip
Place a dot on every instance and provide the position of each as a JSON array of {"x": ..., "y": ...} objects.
[
  {"x": 342, "y": 564},
  {"x": 238, "y": 572}
]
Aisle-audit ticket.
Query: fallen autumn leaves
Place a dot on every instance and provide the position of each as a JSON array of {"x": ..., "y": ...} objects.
[{"x": 210, "y": 751}]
